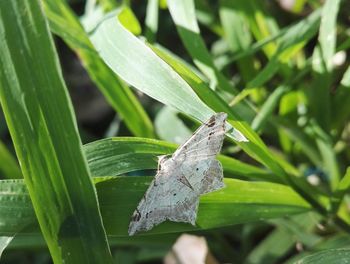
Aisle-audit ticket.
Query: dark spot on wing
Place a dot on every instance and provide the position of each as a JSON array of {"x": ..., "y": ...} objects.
[
  {"x": 136, "y": 216},
  {"x": 174, "y": 194},
  {"x": 197, "y": 169},
  {"x": 211, "y": 122},
  {"x": 184, "y": 181}
]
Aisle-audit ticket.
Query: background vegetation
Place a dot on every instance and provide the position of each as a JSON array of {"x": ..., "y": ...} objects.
[{"x": 141, "y": 76}]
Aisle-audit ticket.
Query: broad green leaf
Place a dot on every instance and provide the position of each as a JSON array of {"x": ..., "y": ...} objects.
[
  {"x": 40, "y": 118},
  {"x": 331, "y": 256},
  {"x": 122, "y": 52},
  {"x": 23, "y": 241},
  {"x": 9, "y": 167},
  {"x": 64, "y": 23},
  {"x": 239, "y": 202},
  {"x": 117, "y": 156}
]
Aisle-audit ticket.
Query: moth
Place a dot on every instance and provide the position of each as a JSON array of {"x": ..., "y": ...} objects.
[{"x": 182, "y": 177}]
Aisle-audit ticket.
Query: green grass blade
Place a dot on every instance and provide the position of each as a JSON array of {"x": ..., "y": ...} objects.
[
  {"x": 116, "y": 156},
  {"x": 268, "y": 107},
  {"x": 170, "y": 127},
  {"x": 8, "y": 166},
  {"x": 330, "y": 162},
  {"x": 342, "y": 188},
  {"x": 239, "y": 202},
  {"x": 237, "y": 36},
  {"x": 290, "y": 43},
  {"x": 261, "y": 24},
  {"x": 64, "y": 23},
  {"x": 235, "y": 27},
  {"x": 323, "y": 66},
  {"x": 269, "y": 251},
  {"x": 331, "y": 256},
  {"x": 151, "y": 21},
  {"x": 328, "y": 34},
  {"x": 122, "y": 52},
  {"x": 341, "y": 101},
  {"x": 200, "y": 87},
  {"x": 41, "y": 122},
  {"x": 183, "y": 14}
]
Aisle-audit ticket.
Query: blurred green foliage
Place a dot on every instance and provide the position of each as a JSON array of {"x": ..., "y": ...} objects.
[{"x": 279, "y": 69}]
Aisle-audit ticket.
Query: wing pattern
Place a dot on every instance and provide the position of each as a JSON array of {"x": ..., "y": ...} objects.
[{"x": 191, "y": 171}]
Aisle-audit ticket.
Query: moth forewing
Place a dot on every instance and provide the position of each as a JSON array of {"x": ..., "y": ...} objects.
[{"x": 191, "y": 171}]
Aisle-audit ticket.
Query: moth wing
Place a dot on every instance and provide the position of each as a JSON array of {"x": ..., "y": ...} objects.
[
  {"x": 167, "y": 198},
  {"x": 206, "y": 141},
  {"x": 204, "y": 175}
]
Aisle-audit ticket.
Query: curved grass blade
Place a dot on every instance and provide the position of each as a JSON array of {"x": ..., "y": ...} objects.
[
  {"x": 240, "y": 202},
  {"x": 122, "y": 52},
  {"x": 170, "y": 127},
  {"x": 64, "y": 23},
  {"x": 183, "y": 14},
  {"x": 41, "y": 122},
  {"x": 116, "y": 156}
]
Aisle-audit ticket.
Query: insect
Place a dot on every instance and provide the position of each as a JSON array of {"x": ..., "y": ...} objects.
[{"x": 182, "y": 177}]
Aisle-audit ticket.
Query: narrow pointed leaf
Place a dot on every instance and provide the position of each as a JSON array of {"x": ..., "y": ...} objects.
[{"x": 40, "y": 118}]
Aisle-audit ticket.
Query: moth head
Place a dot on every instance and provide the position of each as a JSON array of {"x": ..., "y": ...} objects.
[{"x": 161, "y": 160}]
